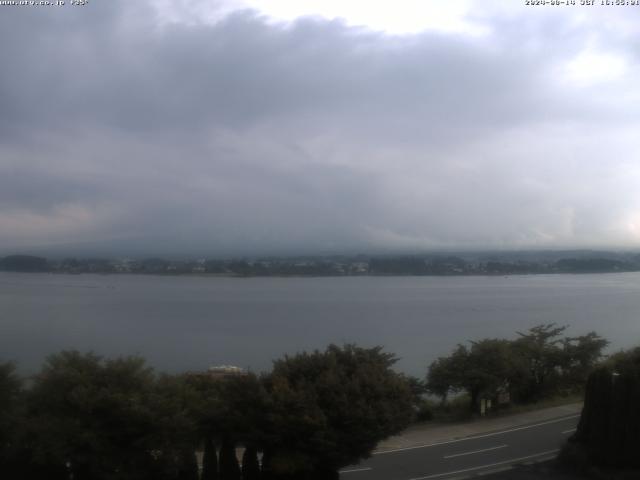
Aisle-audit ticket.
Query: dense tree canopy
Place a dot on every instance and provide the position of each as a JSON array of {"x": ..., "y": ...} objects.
[
  {"x": 106, "y": 419},
  {"x": 538, "y": 363},
  {"x": 609, "y": 429},
  {"x": 481, "y": 370},
  {"x": 331, "y": 408},
  {"x": 100, "y": 419},
  {"x": 10, "y": 414},
  {"x": 540, "y": 357}
]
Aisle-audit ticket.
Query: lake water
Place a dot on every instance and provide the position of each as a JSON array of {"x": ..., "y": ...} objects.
[{"x": 189, "y": 323}]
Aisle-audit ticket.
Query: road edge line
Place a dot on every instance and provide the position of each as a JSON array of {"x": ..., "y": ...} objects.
[
  {"x": 512, "y": 461},
  {"x": 474, "y": 437}
]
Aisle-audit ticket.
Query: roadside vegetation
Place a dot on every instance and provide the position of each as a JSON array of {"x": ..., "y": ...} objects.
[
  {"x": 91, "y": 418},
  {"x": 606, "y": 445},
  {"x": 86, "y": 417},
  {"x": 539, "y": 366}
]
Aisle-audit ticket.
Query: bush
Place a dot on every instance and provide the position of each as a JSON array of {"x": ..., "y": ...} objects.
[
  {"x": 425, "y": 411},
  {"x": 608, "y": 433}
]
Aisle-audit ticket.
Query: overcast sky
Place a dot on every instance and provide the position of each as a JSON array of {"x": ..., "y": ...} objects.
[{"x": 247, "y": 127}]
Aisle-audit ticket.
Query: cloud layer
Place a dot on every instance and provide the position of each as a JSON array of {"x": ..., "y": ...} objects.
[{"x": 127, "y": 130}]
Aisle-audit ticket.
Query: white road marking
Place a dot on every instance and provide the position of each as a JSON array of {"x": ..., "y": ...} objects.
[
  {"x": 513, "y": 460},
  {"x": 475, "y": 451},
  {"x": 571, "y": 430},
  {"x": 355, "y": 470},
  {"x": 557, "y": 420},
  {"x": 493, "y": 471}
]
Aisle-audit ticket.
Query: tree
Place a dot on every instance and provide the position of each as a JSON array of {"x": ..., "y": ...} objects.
[
  {"x": 417, "y": 387},
  {"x": 481, "y": 370},
  {"x": 188, "y": 465},
  {"x": 174, "y": 436},
  {"x": 10, "y": 419},
  {"x": 229, "y": 467},
  {"x": 228, "y": 412},
  {"x": 421, "y": 406},
  {"x": 209, "y": 460},
  {"x": 445, "y": 373},
  {"x": 537, "y": 364},
  {"x": 104, "y": 418},
  {"x": 609, "y": 429},
  {"x": 250, "y": 465},
  {"x": 330, "y": 409},
  {"x": 540, "y": 357},
  {"x": 490, "y": 366},
  {"x": 581, "y": 355}
]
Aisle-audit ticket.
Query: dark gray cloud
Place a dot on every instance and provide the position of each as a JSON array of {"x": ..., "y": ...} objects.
[{"x": 119, "y": 132}]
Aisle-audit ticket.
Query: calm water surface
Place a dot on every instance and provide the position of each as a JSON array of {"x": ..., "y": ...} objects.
[{"x": 181, "y": 323}]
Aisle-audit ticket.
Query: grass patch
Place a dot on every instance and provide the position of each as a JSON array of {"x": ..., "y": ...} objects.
[{"x": 555, "y": 401}]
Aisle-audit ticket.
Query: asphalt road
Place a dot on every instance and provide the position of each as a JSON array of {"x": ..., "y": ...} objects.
[{"x": 467, "y": 456}]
